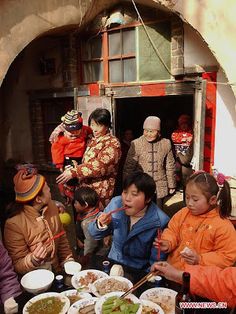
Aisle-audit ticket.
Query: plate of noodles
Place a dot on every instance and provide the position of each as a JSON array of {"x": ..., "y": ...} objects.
[
  {"x": 83, "y": 306},
  {"x": 109, "y": 284},
  {"x": 47, "y": 303},
  {"x": 164, "y": 297},
  {"x": 83, "y": 280}
]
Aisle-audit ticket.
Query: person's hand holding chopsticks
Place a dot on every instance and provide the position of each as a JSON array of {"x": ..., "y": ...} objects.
[
  {"x": 39, "y": 254},
  {"x": 163, "y": 245},
  {"x": 104, "y": 219}
]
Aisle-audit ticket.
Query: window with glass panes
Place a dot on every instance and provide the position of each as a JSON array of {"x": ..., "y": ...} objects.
[
  {"x": 128, "y": 56},
  {"x": 92, "y": 60},
  {"x": 122, "y": 55}
]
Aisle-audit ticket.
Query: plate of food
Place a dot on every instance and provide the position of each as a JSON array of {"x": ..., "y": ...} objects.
[
  {"x": 111, "y": 302},
  {"x": 83, "y": 280},
  {"x": 47, "y": 303},
  {"x": 164, "y": 297},
  {"x": 105, "y": 285},
  {"x": 149, "y": 307},
  {"x": 73, "y": 295},
  {"x": 83, "y": 306}
]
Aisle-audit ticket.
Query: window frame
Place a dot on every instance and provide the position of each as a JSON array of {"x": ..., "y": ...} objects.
[{"x": 105, "y": 54}]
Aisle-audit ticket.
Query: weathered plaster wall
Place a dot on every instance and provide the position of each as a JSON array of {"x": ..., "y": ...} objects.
[
  {"x": 22, "y": 21},
  {"x": 196, "y": 51},
  {"x": 23, "y": 76},
  {"x": 215, "y": 22},
  {"x": 225, "y": 134}
]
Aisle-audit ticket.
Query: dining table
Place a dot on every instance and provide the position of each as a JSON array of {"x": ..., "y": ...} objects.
[{"x": 97, "y": 263}]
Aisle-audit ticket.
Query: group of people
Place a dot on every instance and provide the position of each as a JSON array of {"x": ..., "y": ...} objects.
[{"x": 198, "y": 237}]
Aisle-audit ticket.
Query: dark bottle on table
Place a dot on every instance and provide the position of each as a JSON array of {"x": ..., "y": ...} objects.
[{"x": 184, "y": 296}]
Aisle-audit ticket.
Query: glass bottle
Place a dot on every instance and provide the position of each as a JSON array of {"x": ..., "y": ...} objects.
[{"x": 184, "y": 296}]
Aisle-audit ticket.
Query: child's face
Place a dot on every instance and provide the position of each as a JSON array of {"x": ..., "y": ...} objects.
[
  {"x": 196, "y": 201},
  {"x": 79, "y": 208},
  {"x": 98, "y": 129},
  {"x": 76, "y": 133},
  {"x": 134, "y": 200},
  {"x": 45, "y": 197}
]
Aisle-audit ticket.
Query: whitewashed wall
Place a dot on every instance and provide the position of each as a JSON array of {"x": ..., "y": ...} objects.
[{"x": 196, "y": 52}]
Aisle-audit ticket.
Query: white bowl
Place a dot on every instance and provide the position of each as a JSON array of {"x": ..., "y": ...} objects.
[
  {"x": 72, "y": 268},
  {"x": 37, "y": 281}
]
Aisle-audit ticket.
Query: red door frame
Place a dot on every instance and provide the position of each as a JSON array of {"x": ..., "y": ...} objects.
[{"x": 210, "y": 120}]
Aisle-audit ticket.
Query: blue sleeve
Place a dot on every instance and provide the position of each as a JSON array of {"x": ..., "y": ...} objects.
[{"x": 98, "y": 234}]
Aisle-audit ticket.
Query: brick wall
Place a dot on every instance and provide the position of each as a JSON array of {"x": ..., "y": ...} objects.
[{"x": 177, "y": 46}]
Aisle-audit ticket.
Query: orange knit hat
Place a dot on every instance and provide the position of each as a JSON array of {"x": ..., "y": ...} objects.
[{"x": 28, "y": 184}]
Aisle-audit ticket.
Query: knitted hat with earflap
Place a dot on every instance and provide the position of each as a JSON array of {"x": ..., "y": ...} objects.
[
  {"x": 27, "y": 184},
  {"x": 72, "y": 120}
]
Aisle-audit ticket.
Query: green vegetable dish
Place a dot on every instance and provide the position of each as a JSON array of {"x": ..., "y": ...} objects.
[
  {"x": 115, "y": 305},
  {"x": 50, "y": 305}
]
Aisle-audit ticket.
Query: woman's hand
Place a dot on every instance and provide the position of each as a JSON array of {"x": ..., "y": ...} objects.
[
  {"x": 65, "y": 176},
  {"x": 168, "y": 271},
  {"x": 104, "y": 219},
  {"x": 190, "y": 257},
  {"x": 39, "y": 254},
  {"x": 164, "y": 245}
]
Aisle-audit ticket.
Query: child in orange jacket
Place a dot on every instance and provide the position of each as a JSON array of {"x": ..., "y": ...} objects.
[
  {"x": 201, "y": 233},
  {"x": 70, "y": 145},
  {"x": 69, "y": 142}
]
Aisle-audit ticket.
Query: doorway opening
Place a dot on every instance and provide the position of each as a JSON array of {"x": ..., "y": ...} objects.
[{"x": 130, "y": 113}]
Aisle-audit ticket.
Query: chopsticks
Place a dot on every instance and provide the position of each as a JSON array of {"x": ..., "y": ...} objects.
[
  {"x": 112, "y": 212},
  {"x": 55, "y": 237},
  {"x": 117, "y": 210},
  {"x": 159, "y": 249},
  {"x": 138, "y": 284}
]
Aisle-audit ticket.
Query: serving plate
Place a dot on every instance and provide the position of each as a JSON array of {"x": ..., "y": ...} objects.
[
  {"x": 79, "y": 305},
  {"x": 73, "y": 292},
  {"x": 110, "y": 285},
  {"x": 47, "y": 295},
  {"x": 101, "y": 300},
  {"x": 164, "y": 297},
  {"x": 85, "y": 278},
  {"x": 152, "y": 305}
]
